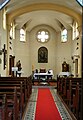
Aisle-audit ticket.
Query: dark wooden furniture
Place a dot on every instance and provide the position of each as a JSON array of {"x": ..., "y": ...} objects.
[
  {"x": 22, "y": 86},
  {"x": 70, "y": 91},
  {"x": 11, "y": 64}
]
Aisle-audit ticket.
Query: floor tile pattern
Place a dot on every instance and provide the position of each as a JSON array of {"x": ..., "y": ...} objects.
[
  {"x": 30, "y": 111},
  {"x": 61, "y": 108}
]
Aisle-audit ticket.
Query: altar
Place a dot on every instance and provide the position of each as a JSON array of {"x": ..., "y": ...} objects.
[
  {"x": 64, "y": 74},
  {"x": 43, "y": 76}
]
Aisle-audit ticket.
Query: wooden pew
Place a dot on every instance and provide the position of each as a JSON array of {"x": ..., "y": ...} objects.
[
  {"x": 75, "y": 98},
  {"x": 9, "y": 104},
  {"x": 63, "y": 85},
  {"x": 26, "y": 81},
  {"x": 60, "y": 84},
  {"x": 68, "y": 89},
  {"x": 24, "y": 91},
  {"x": 8, "y": 85}
]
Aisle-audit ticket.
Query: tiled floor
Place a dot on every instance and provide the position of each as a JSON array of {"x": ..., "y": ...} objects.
[{"x": 31, "y": 107}]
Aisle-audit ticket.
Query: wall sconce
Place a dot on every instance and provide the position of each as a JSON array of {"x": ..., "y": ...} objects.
[
  {"x": 77, "y": 43},
  {"x": 77, "y": 38},
  {"x": 10, "y": 48},
  {"x": 77, "y": 48},
  {"x": 10, "y": 42},
  {"x": 10, "y": 38}
]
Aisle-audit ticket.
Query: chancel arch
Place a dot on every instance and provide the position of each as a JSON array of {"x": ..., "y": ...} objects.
[{"x": 44, "y": 6}]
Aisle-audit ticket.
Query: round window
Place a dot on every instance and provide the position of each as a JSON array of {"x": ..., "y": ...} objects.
[{"x": 43, "y": 36}]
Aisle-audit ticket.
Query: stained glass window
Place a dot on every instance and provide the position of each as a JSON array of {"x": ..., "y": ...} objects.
[
  {"x": 75, "y": 31},
  {"x": 22, "y": 35},
  {"x": 42, "y": 36},
  {"x": 64, "y": 36}
]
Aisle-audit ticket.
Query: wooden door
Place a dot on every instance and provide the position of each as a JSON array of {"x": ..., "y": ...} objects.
[
  {"x": 11, "y": 64},
  {"x": 76, "y": 67}
]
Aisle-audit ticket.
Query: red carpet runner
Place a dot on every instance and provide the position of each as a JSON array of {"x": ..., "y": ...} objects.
[{"x": 46, "y": 108}]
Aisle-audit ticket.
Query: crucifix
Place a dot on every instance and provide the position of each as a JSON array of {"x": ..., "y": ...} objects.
[{"x": 4, "y": 55}]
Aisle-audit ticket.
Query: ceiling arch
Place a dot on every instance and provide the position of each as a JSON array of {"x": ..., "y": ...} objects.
[{"x": 45, "y": 6}]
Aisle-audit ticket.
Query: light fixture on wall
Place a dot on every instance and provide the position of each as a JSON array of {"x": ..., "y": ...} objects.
[
  {"x": 10, "y": 48},
  {"x": 10, "y": 38},
  {"x": 77, "y": 43},
  {"x": 77, "y": 38},
  {"x": 10, "y": 42},
  {"x": 77, "y": 48}
]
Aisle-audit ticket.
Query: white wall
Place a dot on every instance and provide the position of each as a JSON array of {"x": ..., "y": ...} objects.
[
  {"x": 27, "y": 52},
  {"x": 76, "y": 51},
  {"x": 21, "y": 51},
  {"x": 3, "y": 40},
  {"x": 57, "y": 52},
  {"x": 63, "y": 52},
  {"x": 50, "y": 45}
]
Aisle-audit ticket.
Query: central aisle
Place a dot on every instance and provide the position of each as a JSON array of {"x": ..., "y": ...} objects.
[
  {"x": 45, "y": 107},
  {"x": 44, "y": 104}
]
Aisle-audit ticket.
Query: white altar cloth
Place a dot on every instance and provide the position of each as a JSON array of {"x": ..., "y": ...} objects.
[
  {"x": 45, "y": 75},
  {"x": 64, "y": 73}
]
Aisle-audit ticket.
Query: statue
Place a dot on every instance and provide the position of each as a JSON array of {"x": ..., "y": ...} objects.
[
  {"x": 65, "y": 67},
  {"x": 18, "y": 64}
]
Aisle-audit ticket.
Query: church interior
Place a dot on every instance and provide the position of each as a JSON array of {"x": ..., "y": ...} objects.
[{"x": 41, "y": 57}]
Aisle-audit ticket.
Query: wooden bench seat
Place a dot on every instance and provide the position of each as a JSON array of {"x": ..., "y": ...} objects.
[
  {"x": 24, "y": 89},
  {"x": 9, "y": 105},
  {"x": 70, "y": 91}
]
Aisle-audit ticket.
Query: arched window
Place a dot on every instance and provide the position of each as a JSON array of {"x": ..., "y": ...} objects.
[
  {"x": 42, "y": 36},
  {"x": 64, "y": 36},
  {"x": 22, "y": 35},
  {"x": 75, "y": 31},
  {"x": 11, "y": 32},
  {"x": 4, "y": 19}
]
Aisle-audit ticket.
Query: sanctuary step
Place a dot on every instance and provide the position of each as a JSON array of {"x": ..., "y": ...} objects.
[
  {"x": 43, "y": 83},
  {"x": 37, "y": 82}
]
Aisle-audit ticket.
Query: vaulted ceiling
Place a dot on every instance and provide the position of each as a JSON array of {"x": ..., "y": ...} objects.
[{"x": 54, "y": 13}]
